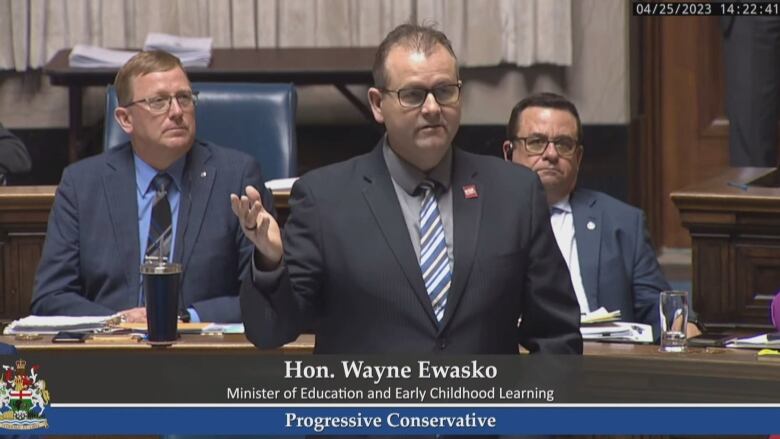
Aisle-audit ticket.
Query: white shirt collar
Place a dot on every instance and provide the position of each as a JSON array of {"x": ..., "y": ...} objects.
[{"x": 563, "y": 204}]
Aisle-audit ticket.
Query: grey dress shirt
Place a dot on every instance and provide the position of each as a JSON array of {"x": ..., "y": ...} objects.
[{"x": 406, "y": 179}]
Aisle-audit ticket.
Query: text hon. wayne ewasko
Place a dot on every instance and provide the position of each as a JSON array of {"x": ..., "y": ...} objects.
[{"x": 376, "y": 373}]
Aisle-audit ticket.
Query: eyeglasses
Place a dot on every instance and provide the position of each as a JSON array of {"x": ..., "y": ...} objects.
[
  {"x": 446, "y": 94},
  {"x": 535, "y": 145},
  {"x": 161, "y": 104}
]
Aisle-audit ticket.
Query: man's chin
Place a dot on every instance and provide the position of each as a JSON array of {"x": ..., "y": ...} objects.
[
  {"x": 432, "y": 142},
  {"x": 550, "y": 181},
  {"x": 178, "y": 143}
]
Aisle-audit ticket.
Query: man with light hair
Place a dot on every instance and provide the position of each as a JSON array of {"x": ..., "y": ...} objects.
[{"x": 164, "y": 195}]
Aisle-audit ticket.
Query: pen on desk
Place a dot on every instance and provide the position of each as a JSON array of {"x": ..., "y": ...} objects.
[{"x": 737, "y": 185}]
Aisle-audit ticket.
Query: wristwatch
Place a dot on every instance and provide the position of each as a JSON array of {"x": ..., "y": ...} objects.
[{"x": 184, "y": 316}]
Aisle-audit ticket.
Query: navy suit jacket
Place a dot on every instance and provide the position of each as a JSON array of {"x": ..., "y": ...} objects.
[
  {"x": 618, "y": 265},
  {"x": 90, "y": 260},
  {"x": 351, "y": 273},
  {"x": 7, "y": 349}
]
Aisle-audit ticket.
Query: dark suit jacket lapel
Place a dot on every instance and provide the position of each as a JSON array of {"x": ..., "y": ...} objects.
[
  {"x": 380, "y": 195},
  {"x": 120, "y": 190},
  {"x": 587, "y": 231},
  {"x": 198, "y": 181},
  {"x": 467, "y": 213}
]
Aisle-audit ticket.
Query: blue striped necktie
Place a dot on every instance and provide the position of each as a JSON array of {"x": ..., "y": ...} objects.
[
  {"x": 160, "y": 226},
  {"x": 434, "y": 263}
]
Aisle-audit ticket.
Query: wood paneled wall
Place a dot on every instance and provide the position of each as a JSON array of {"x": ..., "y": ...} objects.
[{"x": 682, "y": 125}]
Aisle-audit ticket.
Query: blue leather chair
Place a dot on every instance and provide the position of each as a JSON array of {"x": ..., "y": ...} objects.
[{"x": 258, "y": 119}]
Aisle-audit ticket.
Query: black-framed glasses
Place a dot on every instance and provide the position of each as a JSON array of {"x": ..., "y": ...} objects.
[
  {"x": 161, "y": 104},
  {"x": 413, "y": 97},
  {"x": 535, "y": 145}
]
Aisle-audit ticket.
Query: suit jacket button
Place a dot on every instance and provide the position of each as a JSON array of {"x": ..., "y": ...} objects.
[{"x": 442, "y": 343}]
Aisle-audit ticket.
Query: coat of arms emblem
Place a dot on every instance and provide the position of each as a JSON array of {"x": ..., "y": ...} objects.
[{"x": 23, "y": 398}]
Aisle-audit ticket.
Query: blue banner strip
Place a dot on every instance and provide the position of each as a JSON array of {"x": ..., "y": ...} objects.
[{"x": 408, "y": 421}]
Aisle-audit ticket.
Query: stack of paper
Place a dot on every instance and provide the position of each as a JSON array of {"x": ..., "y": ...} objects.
[
  {"x": 618, "y": 331},
  {"x": 55, "y": 324},
  {"x": 94, "y": 57},
  {"x": 600, "y": 315},
  {"x": 193, "y": 52},
  {"x": 758, "y": 342}
]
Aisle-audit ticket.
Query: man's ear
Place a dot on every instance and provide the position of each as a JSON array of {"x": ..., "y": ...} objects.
[
  {"x": 375, "y": 100},
  {"x": 507, "y": 147},
  {"x": 124, "y": 119}
]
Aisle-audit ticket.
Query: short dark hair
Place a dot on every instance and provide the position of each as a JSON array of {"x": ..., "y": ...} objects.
[
  {"x": 423, "y": 37},
  {"x": 543, "y": 100}
]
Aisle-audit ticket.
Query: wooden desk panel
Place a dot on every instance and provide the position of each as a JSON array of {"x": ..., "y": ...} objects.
[
  {"x": 24, "y": 215},
  {"x": 712, "y": 372},
  {"x": 187, "y": 343},
  {"x": 712, "y": 362},
  {"x": 735, "y": 234},
  {"x": 632, "y": 373},
  {"x": 614, "y": 372}
]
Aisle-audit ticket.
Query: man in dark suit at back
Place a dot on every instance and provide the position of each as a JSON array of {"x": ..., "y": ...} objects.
[
  {"x": 163, "y": 194},
  {"x": 14, "y": 158},
  {"x": 603, "y": 240},
  {"x": 415, "y": 246},
  {"x": 751, "y": 60}
]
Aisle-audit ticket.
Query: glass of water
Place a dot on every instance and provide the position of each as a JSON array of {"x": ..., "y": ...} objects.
[{"x": 673, "y": 306}]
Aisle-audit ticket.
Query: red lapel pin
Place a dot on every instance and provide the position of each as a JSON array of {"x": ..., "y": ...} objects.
[{"x": 470, "y": 191}]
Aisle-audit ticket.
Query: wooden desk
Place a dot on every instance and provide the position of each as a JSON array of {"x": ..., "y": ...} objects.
[
  {"x": 302, "y": 66},
  {"x": 624, "y": 371},
  {"x": 639, "y": 373},
  {"x": 187, "y": 343},
  {"x": 697, "y": 361},
  {"x": 615, "y": 372},
  {"x": 24, "y": 215},
  {"x": 735, "y": 234}
]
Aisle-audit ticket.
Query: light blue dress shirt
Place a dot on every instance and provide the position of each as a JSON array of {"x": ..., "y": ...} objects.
[{"x": 145, "y": 192}]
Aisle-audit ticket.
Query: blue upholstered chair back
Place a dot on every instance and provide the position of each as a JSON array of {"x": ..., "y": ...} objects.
[{"x": 258, "y": 119}]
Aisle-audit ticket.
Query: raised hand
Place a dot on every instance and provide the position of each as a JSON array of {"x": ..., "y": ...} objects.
[{"x": 259, "y": 226}]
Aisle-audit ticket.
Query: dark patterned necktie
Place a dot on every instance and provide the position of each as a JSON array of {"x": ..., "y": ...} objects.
[{"x": 160, "y": 226}]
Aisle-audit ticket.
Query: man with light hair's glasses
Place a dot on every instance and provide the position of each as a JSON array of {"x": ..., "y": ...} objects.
[{"x": 161, "y": 104}]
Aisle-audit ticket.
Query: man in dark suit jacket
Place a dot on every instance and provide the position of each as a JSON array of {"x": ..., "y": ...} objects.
[
  {"x": 100, "y": 220},
  {"x": 751, "y": 59},
  {"x": 14, "y": 158},
  {"x": 357, "y": 263},
  {"x": 604, "y": 241}
]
